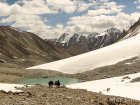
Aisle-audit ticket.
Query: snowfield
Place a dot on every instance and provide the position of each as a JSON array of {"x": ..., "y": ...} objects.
[
  {"x": 109, "y": 55},
  {"x": 117, "y": 86},
  {"x": 10, "y": 87}
]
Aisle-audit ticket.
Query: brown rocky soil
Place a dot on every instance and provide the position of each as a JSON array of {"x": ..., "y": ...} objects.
[{"x": 42, "y": 95}]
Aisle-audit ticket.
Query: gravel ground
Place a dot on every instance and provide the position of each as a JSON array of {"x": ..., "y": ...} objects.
[{"x": 42, "y": 95}]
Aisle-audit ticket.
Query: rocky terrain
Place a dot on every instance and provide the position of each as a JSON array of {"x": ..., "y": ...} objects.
[
  {"x": 42, "y": 95},
  {"x": 119, "y": 69},
  {"x": 25, "y": 48},
  {"x": 134, "y": 29},
  {"x": 80, "y": 43}
]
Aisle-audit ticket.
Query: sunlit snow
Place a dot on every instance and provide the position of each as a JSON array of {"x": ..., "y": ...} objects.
[{"x": 117, "y": 86}]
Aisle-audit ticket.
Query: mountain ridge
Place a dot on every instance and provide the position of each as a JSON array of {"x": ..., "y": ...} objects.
[
  {"x": 81, "y": 43},
  {"x": 16, "y": 44}
]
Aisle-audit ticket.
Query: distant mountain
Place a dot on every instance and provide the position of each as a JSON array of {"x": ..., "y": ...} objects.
[
  {"x": 17, "y": 46},
  {"x": 51, "y": 40},
  {"x": 123, "y": 50},
  {"x": 80, "y": 43}
]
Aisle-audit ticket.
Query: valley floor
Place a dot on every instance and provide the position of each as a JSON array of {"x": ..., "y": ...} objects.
[{"x": 31, "y": 96}]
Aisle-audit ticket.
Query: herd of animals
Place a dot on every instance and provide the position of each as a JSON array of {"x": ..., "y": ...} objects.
[{"x": 56, "y": 83}]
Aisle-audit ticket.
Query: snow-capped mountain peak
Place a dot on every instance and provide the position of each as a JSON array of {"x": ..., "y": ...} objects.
[
  {"x": 79, "y": 43},
  {"x": 64, "y": 38},
  {"x": 73, "y": 38},
  {"x": 110, "y": 32}
]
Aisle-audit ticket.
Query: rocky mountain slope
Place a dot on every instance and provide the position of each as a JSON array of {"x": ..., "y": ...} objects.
[
  {"x": 81, "y": 43},
  {"x": 134, "y": 30},
  {"x": 26, "y": 48}
]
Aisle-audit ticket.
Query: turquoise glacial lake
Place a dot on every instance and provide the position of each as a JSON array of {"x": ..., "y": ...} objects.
[{"x": 63, "y": 80}]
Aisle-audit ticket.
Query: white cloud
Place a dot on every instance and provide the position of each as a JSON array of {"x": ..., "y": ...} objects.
[
  {"x": 64, "y": 5},
  {"x": 36, "y": 7},
  {"x": 105, "y": 8},
  {"x": 27, "y": 7},
  {"x": 100, "y": 12},
  {"x": 100, "y": 23},
  {"x": 68, "y": 6},
  {"x": 99, "y": 1},
  {"x": 100, "y": 18},
  {"x": 138, "y": 3},
  {"x": 27, "y": 16},
  {"x": 3, "y": 1},
  {"x": 33, "y": 23},
  {"x": 83, "y": 6}
]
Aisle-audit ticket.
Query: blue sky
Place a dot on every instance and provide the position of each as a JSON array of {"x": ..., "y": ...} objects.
[
  {"x": 11, "y": 1},
  {"x": 51, "y": 18}
]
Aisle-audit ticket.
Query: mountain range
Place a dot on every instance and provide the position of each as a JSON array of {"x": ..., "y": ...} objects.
[
  {"x": 80, "y": 43},
  {"x": 28, "y": 49}
]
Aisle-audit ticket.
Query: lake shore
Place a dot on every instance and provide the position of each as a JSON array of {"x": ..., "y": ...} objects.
[{"x": 11, "y": 74}]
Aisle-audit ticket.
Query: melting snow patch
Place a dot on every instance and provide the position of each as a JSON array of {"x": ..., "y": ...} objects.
[
  {"x": 128, "y": 63},
  {"x": 113, "y": 86},
  {"x": 15, "y": 57},
  {"x": 2, "y": 61},
  {"x": 10, "y": 87},
  {"x": 37, "y": 52}
]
